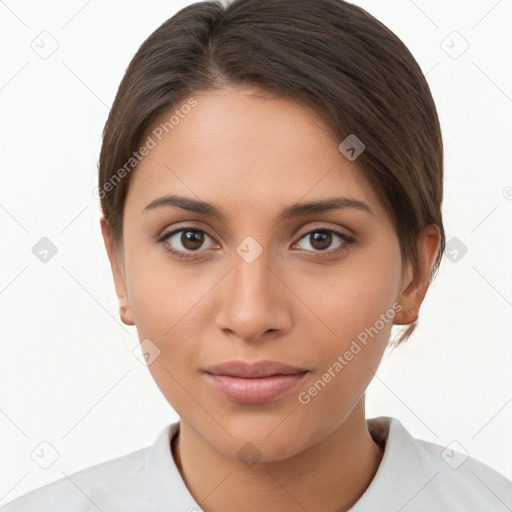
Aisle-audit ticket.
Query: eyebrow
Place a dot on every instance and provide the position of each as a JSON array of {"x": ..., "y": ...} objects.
[{"x": 294, "y": 210}]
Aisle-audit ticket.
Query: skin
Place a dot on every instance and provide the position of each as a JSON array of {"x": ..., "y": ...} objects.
[{"x": 252, "y": 156}]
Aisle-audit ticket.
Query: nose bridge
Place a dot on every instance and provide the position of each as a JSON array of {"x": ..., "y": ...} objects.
[
  {"x": 252, "y": 278},
  {"x": 252, "y": 302}
]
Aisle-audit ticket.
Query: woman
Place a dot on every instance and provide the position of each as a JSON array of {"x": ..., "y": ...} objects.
[{"x": 271, "y": 186}]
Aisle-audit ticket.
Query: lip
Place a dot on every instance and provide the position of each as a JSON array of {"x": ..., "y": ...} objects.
[
  {"x": 255, "y": 370},
  {"x": 254, "y": 383}
]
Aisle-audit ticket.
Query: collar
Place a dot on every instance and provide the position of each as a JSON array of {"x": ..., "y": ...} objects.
[
  {"x": 401, "y": 471},
  {"x": 164, "y": 480}
]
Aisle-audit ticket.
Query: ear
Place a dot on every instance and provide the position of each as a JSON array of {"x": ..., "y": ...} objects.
[
  {"x": 416, "y": 282},
  {"x": 125, "y": 310}
]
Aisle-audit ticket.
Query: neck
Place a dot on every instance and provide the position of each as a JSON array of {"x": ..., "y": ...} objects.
[{"x": 331, "y": 475}]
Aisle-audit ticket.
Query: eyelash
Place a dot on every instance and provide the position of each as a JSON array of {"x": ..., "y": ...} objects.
[{"x": 181, "y": 255}]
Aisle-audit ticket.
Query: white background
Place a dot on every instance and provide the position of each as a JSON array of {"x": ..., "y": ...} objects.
[{"x": 67, "y": 372}]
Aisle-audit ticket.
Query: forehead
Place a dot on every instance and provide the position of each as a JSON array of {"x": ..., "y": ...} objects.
[{"x": 244, "y": 148}]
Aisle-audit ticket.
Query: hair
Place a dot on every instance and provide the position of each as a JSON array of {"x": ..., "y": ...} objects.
[{"x": 330, "y": 55}]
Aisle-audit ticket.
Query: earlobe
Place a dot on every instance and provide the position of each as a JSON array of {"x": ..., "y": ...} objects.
[
  {"x": 406, "y": 316},
  {"x": 126, "y": 315},
  {"x": 125, "y": 310},
  {"x": 416, "y": 287}
]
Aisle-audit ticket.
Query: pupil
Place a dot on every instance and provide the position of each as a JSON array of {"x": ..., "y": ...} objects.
[
  {"x": 192, "y": 239},
  {"x": 321, "y": 240}
]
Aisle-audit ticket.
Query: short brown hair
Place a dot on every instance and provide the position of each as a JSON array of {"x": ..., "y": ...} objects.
[{"x": 327, "y": 54}]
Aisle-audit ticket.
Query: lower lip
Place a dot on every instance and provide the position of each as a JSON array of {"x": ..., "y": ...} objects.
[{"x": 255, "y": 391}]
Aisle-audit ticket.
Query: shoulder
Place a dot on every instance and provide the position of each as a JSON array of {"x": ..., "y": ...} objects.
[
  {"x": 117, "y": 484},
  {"x": 463, "y": 480},
  {"x": 423, "y": 476}
]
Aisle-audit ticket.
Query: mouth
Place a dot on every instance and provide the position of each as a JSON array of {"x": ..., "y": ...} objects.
[{"x": 254, "y": 383}]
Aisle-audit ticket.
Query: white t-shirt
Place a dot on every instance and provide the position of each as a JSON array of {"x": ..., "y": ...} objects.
[{"x": 414, "y": 475}]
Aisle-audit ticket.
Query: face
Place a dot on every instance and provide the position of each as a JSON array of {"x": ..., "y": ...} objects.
[{"x": 252, "y": 284}]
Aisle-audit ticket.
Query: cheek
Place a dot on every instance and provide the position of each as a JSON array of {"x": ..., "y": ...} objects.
[
  {"x": 357, "y": 312},
  {"x": 347, "y": 360},
  {"x": 168, "y": 304},
  {"x": 168, "y": 312},
  {"x": 352, "y": 299},
  {"x": 160, "y": 291}
]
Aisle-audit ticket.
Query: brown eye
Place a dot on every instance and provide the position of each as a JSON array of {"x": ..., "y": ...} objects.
[
  {"x": 320, "y": 240},
  {"x": 192, "y": 240},
  {"x": 186, "y": 241}
]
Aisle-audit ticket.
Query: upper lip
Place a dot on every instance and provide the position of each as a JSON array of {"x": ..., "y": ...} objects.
[{"x": 253, "y": 370}]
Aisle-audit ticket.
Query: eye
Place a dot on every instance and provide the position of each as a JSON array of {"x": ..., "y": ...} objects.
[
  {"x": 321, "y": 239},
  {"x": 188, "y": 242},
  {"x": 184, "y": 242}
]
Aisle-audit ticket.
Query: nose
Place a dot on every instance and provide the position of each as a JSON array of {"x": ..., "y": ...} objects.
[{"x": 255, "y": 302}]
